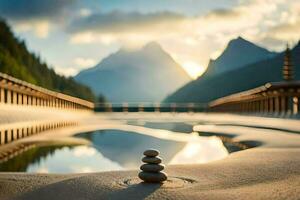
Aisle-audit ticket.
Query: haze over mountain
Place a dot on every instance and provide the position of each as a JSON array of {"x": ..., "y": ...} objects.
[
  {"x": 246, "y": 76},
  {"x": 145, "y": 75}
]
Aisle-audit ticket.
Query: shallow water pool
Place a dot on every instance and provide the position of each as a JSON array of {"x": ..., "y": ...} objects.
[{"x": 111, "y": 150}]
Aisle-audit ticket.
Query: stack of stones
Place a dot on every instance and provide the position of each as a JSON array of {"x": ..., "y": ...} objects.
[{"x": 151, "y": 171}]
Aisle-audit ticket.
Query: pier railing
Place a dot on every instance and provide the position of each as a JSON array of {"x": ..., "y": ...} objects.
[
  {"x": 15, "y": 91},
  {"x": 273, "y": 98},
  {"x": 20, "y": 93},
  {"x": 149, "y": 107}
]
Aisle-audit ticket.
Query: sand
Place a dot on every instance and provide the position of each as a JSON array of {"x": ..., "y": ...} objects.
[
  {"x": 269, "y": 171},
  {"x": 250, "y": 174}
]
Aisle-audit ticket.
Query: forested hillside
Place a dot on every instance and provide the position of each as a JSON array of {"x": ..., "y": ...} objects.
[{"x": 17, "y": 61}]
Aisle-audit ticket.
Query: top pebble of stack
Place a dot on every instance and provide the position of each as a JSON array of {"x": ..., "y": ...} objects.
[{"x": 151, "y": 153}]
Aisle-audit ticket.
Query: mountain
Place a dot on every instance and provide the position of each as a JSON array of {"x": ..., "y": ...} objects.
[
  {"x": 207, "y": 88},
  {"x": 238, "y": 53},
  {"x": 148, "y": 74},
  {"x": 17, "y": 61}
]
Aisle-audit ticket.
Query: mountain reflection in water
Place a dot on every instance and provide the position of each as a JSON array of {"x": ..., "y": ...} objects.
[{"x": 114, "y": 150}]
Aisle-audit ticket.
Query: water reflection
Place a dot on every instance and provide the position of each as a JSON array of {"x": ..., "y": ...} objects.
[
  {"x": 126, "y": 148},
  {"x": 200, "y": 151},
  {"x": 20, "y": 163},
  {"x": 73, "y": 160},
  {"x": 115, "y": 150},
  {"x": 171, "y": 126}
]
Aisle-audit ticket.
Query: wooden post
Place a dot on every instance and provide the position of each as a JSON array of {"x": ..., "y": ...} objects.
[
  {"x": 141, "y": 108},
  {"x": 25, "y": 100},
  {"x": 6, "y": 137},
  {"x": 283, "y": 104},
  {"x": 295, "y": 105},
  {"x": 26, "y": 132},
  {"x": 20, "y": 102},
  {"x": 298, "y": 105},
  {"x": 2, "y": 96},
  {"x": 267, "y": 109},
  {"x": 157, "y": 107},
  {"x": 9, "y": 135},
  {"x": 124, "y": 107},
  {"x": 271, "y": 105},
  {"x": 29, "y": 100},
  {"x": 173, "y": 107},
  {"x": 15, "y": 100},
  {"x": 22, "y": 133},
  {"x": 2, "y": 137},
  {"x": 8, "y": 96},
  {"x": 261, "y": 104},
  {"x": 191, "y": 107},
  {"x": 277, "y": 105},
  {"x": 34, "y": 101},
  {"x": 243, "y": 107},
  {"x": 14, "y": 134}
]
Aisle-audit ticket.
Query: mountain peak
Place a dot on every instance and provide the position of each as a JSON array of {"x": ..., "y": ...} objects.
[
  {"x": 152, "y": 46},
  {"x": 238, "y": 53},
  {"x": 243, "y": 46},
  {"x": 149, "y": 47},
  {"x": 147, "y": 74},
  {"x": 238, "y": 42}
]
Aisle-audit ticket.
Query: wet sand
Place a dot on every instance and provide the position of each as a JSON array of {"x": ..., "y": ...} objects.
[{"x": 268, "y": 171}]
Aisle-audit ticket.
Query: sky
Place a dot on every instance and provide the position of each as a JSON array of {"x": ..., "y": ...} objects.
[{"x": 72, "y": 35}]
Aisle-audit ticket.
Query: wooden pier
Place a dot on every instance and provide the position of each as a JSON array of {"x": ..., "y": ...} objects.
[
  {"x": 271, "y": 98},
  {"x": 15, "y": 91}
]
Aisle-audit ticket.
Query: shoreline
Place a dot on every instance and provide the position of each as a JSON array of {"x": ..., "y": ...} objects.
[{"x": 268, "y": 171}]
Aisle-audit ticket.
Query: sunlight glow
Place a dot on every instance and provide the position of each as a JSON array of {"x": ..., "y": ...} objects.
[
  {"x": 200, "y": 151},
  {"x": 193, "y": 69}
]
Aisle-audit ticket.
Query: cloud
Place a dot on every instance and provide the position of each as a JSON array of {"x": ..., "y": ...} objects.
[
  {"x": 40, "y": 28},
  {"x": 21, "y": 10},
  {"x": 79, "y": 63},
  {"x": 36, "y": 16},
  {"x": 84, "y": 62},
  {"x": 66, "y": 71},
  {"x": 287, "y": 32},
  {"x": 289, "y": 27},
  {"x": 129, "y": 29},
  {"x": 245, "y": 19},
  {"x": 85, "y": 12},
  {"x": 190, "y": 39},
  {"x": 223, "y": 14},
  {"x": 118, "y": 21},
  {"x": 91, "y": 37}
]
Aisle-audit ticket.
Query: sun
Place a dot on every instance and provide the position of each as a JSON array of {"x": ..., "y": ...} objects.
[{"x": 193, "y": 69}]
